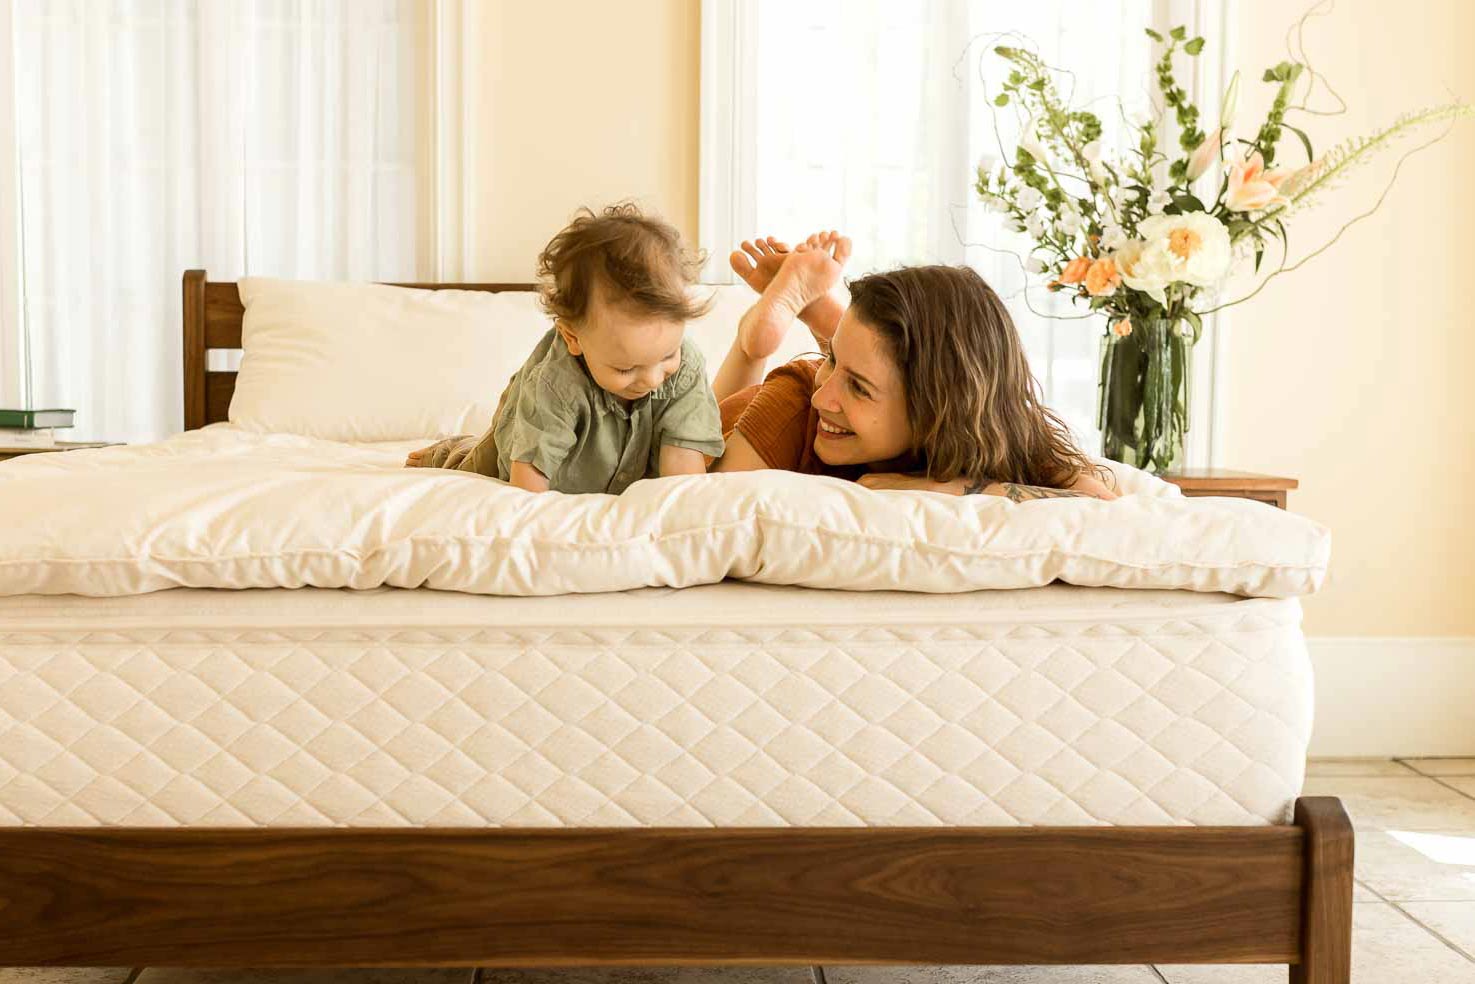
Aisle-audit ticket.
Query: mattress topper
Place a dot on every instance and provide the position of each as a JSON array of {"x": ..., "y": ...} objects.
[{"x": 225, "y": 508}]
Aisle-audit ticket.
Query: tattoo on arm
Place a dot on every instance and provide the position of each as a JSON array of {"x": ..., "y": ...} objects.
[{"x": 1022, "y": 493}]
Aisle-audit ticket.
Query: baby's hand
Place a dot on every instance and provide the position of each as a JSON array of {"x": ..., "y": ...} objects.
[{"x": 414, "y": 459}]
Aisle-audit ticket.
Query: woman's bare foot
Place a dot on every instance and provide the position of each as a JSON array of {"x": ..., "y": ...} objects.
[
  {"x": 804, "y": 276},
  {"x": 758, "y": 261}
]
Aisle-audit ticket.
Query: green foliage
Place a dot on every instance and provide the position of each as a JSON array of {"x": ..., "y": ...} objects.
[
  {"x": 1284, "y": 75},
  {"x": 1176, "y": 99}
]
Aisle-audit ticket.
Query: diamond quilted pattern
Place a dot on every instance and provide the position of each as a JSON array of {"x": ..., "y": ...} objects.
[{"x": 1199, "y": 720}]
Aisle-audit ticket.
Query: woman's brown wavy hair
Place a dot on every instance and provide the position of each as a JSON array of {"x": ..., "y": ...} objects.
[{"x": 974, "y": 407}]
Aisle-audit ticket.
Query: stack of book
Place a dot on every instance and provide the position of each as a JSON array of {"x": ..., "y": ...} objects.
[{"x": 32, "y": 428}]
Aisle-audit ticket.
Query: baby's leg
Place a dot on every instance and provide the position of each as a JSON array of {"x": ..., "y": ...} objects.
[
  {"x": 805, "y": 275},
  {"x": 465, "y": 452}
]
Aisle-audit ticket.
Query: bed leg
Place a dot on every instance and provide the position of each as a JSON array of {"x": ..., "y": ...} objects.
[{"x": 1326, "y": 895}]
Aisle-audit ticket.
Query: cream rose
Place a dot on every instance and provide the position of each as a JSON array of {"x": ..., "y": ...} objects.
[
  {"x": 1146, "y": 266},
  {"x": 1197, "y": 245}
]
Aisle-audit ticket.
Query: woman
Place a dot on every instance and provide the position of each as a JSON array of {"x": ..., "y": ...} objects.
[{"x": 923, "y": 386}]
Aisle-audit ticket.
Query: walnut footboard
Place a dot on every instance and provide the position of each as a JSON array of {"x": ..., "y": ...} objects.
[{"x": 550, "y": 897}]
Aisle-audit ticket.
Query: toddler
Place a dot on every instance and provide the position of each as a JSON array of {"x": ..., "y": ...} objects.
[{"x": 613, "y": 393}]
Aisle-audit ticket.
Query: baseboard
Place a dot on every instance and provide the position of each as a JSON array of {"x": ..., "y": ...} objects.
[{"x": 1393, "y": 696}]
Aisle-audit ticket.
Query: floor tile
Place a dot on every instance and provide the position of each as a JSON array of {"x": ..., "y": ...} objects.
[
  {"x": 651, "y": 975},
  {"x": 1455, "y": 921},
  {"x": 1408, "y": 865},
  {"x": 1361, "y": 893},
  {"x": 1391, "y": 803},
  {"x": 326, "y": 975},
  {"x": 1225, "y": 974},
  {"x": 1322, "y": 768},
  {"x": 1442, "y": 766},
  {"x": 63, "y": 975},
  {"x": 1387, "y": 948},
  {"x": 992, "y": 975}
]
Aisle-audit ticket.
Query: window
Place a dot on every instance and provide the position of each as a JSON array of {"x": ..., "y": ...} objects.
[
  {"x": 277, "y": 138},
  {"x": 869, "y": 116}
]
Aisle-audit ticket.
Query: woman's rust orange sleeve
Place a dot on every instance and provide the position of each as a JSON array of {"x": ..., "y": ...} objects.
[{"x": 775, "y": 419}]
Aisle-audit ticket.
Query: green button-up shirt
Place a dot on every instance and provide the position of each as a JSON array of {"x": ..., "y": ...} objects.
[{"x": 583, "y": 438}]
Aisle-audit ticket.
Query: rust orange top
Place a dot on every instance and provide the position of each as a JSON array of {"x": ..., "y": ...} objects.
[{"x": 776, "y": 418}]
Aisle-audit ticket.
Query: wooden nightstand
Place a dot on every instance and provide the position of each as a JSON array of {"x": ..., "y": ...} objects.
[
  {"x": 1238, "y": 484},
  {"x": 7, "y": 453}
]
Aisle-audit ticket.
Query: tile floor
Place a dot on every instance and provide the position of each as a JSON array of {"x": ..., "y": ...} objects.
[{"x": 1413, "y": 919}]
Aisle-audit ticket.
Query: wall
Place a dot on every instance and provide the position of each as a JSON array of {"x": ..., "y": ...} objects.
[
  {"x": 1350, "y": 374},
  {"x": 1353, "y": 372},
  {"x": 577, "y": 102}
]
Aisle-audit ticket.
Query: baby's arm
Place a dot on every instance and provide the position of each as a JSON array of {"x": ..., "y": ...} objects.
[
  {"x": 688, "y": 427},
  {"x": 526, "y": 476},
  {"x": 681, "y": 461}
]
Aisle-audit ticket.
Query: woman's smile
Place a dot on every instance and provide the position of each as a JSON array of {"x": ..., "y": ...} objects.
[{"x": 832, "y": 431}]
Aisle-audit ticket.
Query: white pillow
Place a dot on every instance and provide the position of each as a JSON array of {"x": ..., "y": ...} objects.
[{"x": 368, "y": 362}]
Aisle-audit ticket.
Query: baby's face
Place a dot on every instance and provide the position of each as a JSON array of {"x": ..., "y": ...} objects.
[{"x": 628, "y": 354}]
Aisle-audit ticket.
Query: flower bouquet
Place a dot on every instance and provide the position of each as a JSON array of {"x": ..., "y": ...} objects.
[{"x": 1149, "y": 237}]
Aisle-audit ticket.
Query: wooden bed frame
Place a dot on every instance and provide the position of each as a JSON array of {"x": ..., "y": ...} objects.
[{"x": 555, "y": 897}]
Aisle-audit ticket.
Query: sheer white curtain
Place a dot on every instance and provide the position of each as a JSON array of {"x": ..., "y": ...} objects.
[
  {"x": 265, "y": 137},
  {"x": 870, "y": 115}
]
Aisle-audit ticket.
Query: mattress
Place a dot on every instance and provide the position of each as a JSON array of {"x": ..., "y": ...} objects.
[{"x": 729, "y": 704}]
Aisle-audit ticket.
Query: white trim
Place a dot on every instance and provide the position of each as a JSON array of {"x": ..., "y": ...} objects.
[
  {"x": 449, "y": 198},
  {"x": 726, "y": 203},
  {"x": 1211, "y": 70},
  {"x": 14, "y": 384},
  {"x": 1387, "y": 697}
]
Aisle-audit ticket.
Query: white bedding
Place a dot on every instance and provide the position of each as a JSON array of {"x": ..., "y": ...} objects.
[
  {"x": 227, "y": 508},
  {"x": 730, "y": 704}
]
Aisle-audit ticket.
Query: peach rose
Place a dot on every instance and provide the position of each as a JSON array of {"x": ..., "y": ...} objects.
[
  {"x": 1102, "y": 278},
  {"x": 1252, "y": 188},
  {"x": 1075, "y": 271},
  {"x": 1122, "y": 328}
]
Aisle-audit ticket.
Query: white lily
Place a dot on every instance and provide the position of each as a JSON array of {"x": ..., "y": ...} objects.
[
  {"x": 1029, "y": 142},
  {"x": 1205, "y": 154},
  {"x": 1230, "y": 103}
]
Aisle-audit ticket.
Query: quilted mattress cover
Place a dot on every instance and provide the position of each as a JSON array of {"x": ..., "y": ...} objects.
[{"x": 729, "y": 704}]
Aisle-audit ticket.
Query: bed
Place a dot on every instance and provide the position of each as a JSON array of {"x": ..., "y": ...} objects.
[{"x": 321, "y": 777}]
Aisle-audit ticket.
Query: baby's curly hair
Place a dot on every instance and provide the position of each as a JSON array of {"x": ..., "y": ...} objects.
[{"x": 640, "y": 260}]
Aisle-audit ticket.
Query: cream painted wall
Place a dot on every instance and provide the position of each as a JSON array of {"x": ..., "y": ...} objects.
[
  {"x": 576, "y": 102},
  {"x": 1351, "y": 374},
  {"x": 1354, "y": 373}
]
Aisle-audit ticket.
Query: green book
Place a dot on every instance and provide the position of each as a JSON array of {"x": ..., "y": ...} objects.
[{"x": 31, "y": 419}]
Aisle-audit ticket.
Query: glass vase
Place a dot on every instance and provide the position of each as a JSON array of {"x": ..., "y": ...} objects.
[{"x": 1143, "y": 394}]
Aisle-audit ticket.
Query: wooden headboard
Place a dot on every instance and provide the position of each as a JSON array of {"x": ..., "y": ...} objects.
[{"x": 212, "y": 320}]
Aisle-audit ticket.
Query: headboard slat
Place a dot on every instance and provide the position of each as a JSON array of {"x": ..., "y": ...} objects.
[
  {"x": 219, "y": 388},
  {"x": 212, "y": 320},
  {"x": 223, "y": 314}
]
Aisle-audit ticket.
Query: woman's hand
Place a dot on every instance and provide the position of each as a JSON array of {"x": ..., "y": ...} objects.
[
  {"x": 1014, "y": 492},
  {"x": 897, "y": 482}
]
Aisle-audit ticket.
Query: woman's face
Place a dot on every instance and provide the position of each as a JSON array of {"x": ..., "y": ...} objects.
[{"x": 861, "y": 399}]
